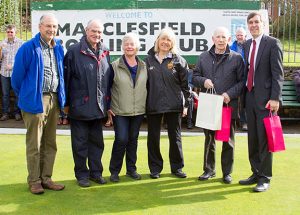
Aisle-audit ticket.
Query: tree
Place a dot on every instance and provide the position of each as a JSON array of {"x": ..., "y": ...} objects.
[{"x": 9, "y": 13}]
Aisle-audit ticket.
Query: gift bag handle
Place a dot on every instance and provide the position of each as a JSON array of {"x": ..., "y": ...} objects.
[
  {"x": 271, "y": 114},
  {"x": 211, "y": 90}
]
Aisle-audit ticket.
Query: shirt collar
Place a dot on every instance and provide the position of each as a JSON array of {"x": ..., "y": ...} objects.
[
  {"x": 258, "y": 39},
  {"x": 14, "y": 40},
  {"x": 169, "y": 55},
  {"x": 46, "y": 45}
]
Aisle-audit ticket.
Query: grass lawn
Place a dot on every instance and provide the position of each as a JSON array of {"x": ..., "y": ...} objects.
[
  {"x": 291, "y": 59},
  {"x": 167, "y": 195}
]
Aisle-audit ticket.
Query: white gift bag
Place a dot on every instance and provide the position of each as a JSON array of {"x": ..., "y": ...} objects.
[{"x": 209, "y": 112}]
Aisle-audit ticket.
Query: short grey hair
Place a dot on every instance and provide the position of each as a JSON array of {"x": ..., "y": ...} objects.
[
  {"x": 221, "y": 29},
  {"x": 93, "y": 21},
  {"x": 47, "y": 15},
  {"x": 171, "y": 35},
  {"x": 240, "y": 29},
  {"x": 132, "y": 37}
]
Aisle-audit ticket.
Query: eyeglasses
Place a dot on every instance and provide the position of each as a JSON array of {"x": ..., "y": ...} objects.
[{"x": 9, "y": 32}]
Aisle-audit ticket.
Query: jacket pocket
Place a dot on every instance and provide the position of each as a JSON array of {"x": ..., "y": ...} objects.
[{"x": 79, "y": 98}]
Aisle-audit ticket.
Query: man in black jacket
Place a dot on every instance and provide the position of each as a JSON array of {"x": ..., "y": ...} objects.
[
  {"x": 87, "y": 72},
  {"x": 222, "y": 69}
]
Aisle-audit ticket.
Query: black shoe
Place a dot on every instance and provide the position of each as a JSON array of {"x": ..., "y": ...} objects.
[
  {"x": 251, "y": 180},
  {"x": 134, "y": 175},
  {"x": 98, "y": 180},
  {"x": 154, "y": 175},
  {"x": 18, "y": 117},
  {"x": 189, "y": 125},
  {"x": 83, "y": 182},
  {"x": 4, "y": 117},
  {"x": 261, "y": 187},
  {"x": 245, "y": 127},
  {"x": 227, "y": 179},
  {"x": 114, "y": 178},
  {"x": 179, "y": 173},
  {"x": 206, "y": 176}
]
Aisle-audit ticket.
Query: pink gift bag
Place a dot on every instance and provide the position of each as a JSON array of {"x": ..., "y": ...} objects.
[
  {"x": 224, "y": 133},
  {"x": 274, "y": 133}
]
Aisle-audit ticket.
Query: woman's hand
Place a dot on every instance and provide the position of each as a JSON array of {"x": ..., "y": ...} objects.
[{"x": 109, "y": 121}]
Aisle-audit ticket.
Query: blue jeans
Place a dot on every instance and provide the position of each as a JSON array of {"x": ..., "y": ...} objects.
[
  {"x": 6, "y": 87},
  {"x": 126, "y": 137}
]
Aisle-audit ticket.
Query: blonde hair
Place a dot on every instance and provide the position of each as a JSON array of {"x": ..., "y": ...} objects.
[
  {"x": 134, "y": 38},
  {"x": 168, "y": 32}
]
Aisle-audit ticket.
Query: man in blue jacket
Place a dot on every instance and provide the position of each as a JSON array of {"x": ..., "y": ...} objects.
[
  {"x": 238, "y": 46},
  {"x": 37, "y": 80}
]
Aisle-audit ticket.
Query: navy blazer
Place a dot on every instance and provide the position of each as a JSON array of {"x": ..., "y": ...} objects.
[{"x": 268, "y": 73}]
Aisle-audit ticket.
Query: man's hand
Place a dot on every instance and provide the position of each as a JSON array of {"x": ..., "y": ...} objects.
[
  {"x": 208, "y": 84},
  {"x": 226, "y": 98},
  {"x": 273, "y": 105},
  {"x": 66, "y": 110},
  {"x": 184, "y": 112}
]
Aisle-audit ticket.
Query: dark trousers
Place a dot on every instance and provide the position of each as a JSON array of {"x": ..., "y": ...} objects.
[
  {"x": 227, "y": 155},
  {"x": 155, "y": 160},
  {"x": 259, "y": 156},
  {"x": 87, "y": 145},
  {"x": 6, "y": 87},
  {"x": 126, "y": 138},
  {"x": 189, "y": 116}
]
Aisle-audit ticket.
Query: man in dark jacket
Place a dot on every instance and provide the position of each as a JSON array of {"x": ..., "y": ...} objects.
[
  {"x": 263, "y": 92},
  {"x": 222, "y": 69},
  {"x": 87, "y": 73}
]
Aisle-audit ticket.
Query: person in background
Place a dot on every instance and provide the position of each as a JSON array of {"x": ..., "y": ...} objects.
[
  {"x": 263, "y": 91},
  {"x": 238, "y": 46},
  {"x": 222, "y": 69},
  {"x": 87, "y": 72},
  {"x": 167, "y": 84},
  {"x": 37, "y": 80},
  {"x": 128, "y": 106},
  {"x": 9, "y": 47},
  {"x": 296, "y": 77},
  {"x": 189, "y": 116}
]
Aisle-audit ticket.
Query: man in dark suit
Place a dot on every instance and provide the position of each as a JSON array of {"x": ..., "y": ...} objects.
[
  {"x": 221, "y": 69},
  {"x": 264, "y": 78}
]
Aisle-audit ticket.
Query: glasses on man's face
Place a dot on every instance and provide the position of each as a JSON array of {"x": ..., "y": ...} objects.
[{"x": 9, "y": 32}]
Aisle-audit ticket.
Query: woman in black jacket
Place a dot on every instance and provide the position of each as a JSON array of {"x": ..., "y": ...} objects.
[{"x": 167, "y": 85}]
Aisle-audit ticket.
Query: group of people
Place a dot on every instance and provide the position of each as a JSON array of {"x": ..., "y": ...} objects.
[{"x": 89, "y": 88}]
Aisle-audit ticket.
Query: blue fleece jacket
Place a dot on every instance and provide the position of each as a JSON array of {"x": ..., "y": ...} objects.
[{"x": 28, "y": 75}]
